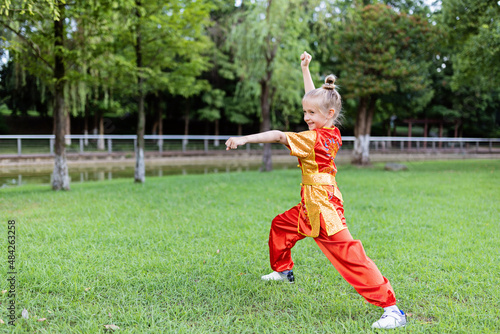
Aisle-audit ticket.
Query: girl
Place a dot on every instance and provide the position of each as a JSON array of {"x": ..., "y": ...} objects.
[{"x": 320, "y": 213}]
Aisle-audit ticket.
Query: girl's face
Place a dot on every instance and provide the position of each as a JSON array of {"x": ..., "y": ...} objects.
[{"x": 314, "y": 118}]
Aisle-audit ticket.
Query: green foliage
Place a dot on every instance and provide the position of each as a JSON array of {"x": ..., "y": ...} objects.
[
  {"x": 267, "y": 39},
  {"x": 10, "y": 7},
  {"x": 474, "y": 33},
  {"x": 466, "y": 94},
  {"x": 415, "y": 63},
  {"x": 442, "y": 111},
  {"x": 214, "y": 101},
  {"x": 381, "y": 51},
  {"x": 381, "y": 54},
  {"x": 99, "y": 49},
  {"x": 4, "y": 110},
  {"x": 175, "y": 46},
  {"x": 408, "y": 6},
  {"x": 22, "y": 92},
  {"x": 242, "y": 107},
  {"x": 30, "y": 41},
  {"x": 222, "y": 71}
]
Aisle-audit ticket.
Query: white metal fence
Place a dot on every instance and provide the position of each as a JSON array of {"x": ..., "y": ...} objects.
[{"x": 29, "y": 145}]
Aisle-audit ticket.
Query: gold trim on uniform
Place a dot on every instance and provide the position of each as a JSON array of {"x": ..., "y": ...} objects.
[
  {"x": 317, "y": 203},
  {"x": 315, "y": 194}
]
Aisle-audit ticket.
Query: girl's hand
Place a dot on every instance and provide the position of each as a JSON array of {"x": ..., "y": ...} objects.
[
  {"x": 233, "y": 143},
  {"x": 305, "y": 59}
]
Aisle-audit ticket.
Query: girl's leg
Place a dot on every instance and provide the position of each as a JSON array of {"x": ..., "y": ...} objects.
[
  {"x": 349, "y": 258},
  {"x": 282, "y": 237}
]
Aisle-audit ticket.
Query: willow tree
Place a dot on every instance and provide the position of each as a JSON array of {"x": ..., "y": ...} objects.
[
  {"x": 44, "y": 55},
  {"x": 381, "y": 51},
  {"x": 94, "y": 81},
  {"x": 266, "y": 36},
  {"x": 159, "y": 47}
]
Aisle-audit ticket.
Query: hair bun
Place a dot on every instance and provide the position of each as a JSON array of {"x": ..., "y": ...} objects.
[{"x": 330, "y": 82}]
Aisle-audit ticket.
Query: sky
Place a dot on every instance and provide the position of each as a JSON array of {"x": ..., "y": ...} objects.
[
  {"x": 431, "y": 4},
  {"x": 4, "y": 58}
]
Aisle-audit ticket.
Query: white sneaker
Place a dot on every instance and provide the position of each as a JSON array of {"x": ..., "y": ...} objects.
[
  {"x": 390, "y": 320},
  {"x": 277, "y": 276}
]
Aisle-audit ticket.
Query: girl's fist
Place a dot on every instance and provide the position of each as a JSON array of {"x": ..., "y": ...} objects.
[{"x": 305, "y": 59}]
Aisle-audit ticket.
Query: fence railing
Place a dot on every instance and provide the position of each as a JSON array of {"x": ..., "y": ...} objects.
[{"x": 23, "y": 145}]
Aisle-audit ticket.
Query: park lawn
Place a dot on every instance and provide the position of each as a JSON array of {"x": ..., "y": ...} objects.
[{"x": 184, "y": 254}]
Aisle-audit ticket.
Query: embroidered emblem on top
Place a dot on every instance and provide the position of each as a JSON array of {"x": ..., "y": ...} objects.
[
  {"x": 304, "y": 208},
  {"x": 332, "y": 147},
  {"x": 330, "y": 196}
]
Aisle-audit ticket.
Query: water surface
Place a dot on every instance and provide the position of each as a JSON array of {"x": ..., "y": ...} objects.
[{"x": 18, "y": 176}]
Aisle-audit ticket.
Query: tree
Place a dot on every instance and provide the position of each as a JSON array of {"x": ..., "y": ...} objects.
[
  {"x": 94, "y": 82},
  {"x": 162, "y": 47},
  {"x": 243, "y": 105},
  {"x": 221, "y": 73},
  {"x": 60, "y": 177},
  {"x": 380, "y": 51},
  {"x": 21, "y": 91},
  {"x": 474, "y": 34},
  {"x": 44, "y": 56},
  {"x": 214, "y": 103},
  {"x": 268, "y": 35},
  {"x": 471, "y": 54}
]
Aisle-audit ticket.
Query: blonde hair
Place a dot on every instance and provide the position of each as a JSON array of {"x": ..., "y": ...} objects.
[{"x": 325, "y": 98}]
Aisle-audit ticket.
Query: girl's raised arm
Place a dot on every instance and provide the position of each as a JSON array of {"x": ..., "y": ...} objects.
[
  {"x": 305, "y": 59},
  {"x": 273, "y": 136}
]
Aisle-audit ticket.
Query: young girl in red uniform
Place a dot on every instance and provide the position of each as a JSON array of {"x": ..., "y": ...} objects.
[{"x": 320, "y": 213}]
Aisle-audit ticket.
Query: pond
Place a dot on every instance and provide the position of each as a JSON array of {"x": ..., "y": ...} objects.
[{"x": 18, "y": 176}]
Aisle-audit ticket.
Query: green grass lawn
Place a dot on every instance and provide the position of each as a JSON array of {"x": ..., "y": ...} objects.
[{"x": 184, "y": 254}]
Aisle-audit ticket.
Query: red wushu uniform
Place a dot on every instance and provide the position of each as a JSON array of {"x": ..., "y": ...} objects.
[{"x": 320, "y": 214}]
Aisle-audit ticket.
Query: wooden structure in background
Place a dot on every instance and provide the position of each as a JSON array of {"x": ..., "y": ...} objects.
[{"x": 426, "y": 123}]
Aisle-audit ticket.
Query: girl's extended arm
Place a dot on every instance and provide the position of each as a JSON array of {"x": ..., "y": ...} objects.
[
  {"x": 305, "y": 59},
  {"x": 273, "y": 136}
]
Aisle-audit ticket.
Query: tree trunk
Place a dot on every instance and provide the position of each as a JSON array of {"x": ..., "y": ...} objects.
[
  {"x": 186, "y": 124},
  {"x": 67, "y": 141},
  {"x": 100, "y": 131},
  {"x": 426, "y": 130},
  {"x": 60, "y": 177},
  {"x": 267, "y": 163},
  {"x": 186, "y": 118},
  {"x": 140, "y": 170},
  {"x": 160, "y": 121},
  {"x": 265, "y": 93},
  {"x": 362, "y": 128},
  {"x": 86, "y": 122},
  {"x": 216, "y": 141}
]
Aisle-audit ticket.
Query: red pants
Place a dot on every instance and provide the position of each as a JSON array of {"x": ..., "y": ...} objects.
[{"x": 346, "y": 255}]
